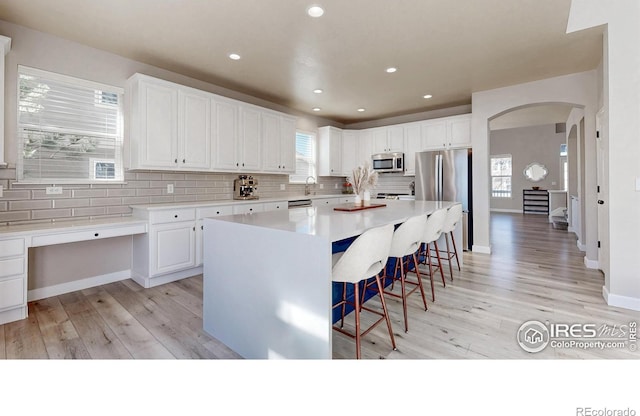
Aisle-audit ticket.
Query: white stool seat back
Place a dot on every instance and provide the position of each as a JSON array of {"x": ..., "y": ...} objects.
[
  {"x": 365, "y": 257},
  {"x": 454, "y": 215},
  {"x": 434, "y": 226},
  {"x": 407, "y": 237}
]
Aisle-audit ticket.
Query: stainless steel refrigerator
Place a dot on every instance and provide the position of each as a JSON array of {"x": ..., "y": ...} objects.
[{"x": 445, "y": 175}]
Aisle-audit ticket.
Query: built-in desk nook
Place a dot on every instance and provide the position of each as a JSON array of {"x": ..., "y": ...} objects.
[{"x": 267, "y": 276}]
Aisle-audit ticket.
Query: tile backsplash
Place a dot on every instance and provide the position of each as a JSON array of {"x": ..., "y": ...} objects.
[{"x": 23, "y": 203}]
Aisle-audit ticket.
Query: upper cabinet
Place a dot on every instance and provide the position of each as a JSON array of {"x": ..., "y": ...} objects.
[
  {"x": 173, "y": 127},
  {"x": 278, "y": 140},
  {"x": 413, "y": 143},
  {"x": 330, "y": 151},
  {"x": 387, "y": 139},
  {"x": 448, "y": 133},
  {"x": 349, "y": 152}
]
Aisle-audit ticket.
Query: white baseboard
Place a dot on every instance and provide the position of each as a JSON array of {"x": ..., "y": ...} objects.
[
  {"x": 481, "y": 249},
  {"x": 620, "y": 301},
  {"x": 148, "y": 282},
  {"x": 513, "y": 211},
  {"x": 591, "y": 264},
  {"x": 582, "y": 247},
  {"x": 47, "y": 292}
]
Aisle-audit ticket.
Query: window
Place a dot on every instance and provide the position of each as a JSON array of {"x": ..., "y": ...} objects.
[
  {"x": 69, "y": 129},
  {"x": 501, "y": 176},
  {"x": 305, "y": 157}
]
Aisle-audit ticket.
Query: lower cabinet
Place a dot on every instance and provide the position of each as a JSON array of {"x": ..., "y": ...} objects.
[
  {"x": 202, "y": 213},
  {"x": 248, "y": 208},
  {"x": 13, "y": 280},
  {"x": 173, "y": 247}
]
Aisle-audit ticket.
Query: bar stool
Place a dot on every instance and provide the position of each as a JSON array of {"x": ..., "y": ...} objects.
[
  {"x": 404, "y": 247},
  {"x": 433, "y": 230},
  {"x": 454, "y": 215},
  {"x": 363, "y": 259}
]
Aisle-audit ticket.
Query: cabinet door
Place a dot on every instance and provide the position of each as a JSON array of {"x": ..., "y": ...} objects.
[
  {"x": 379, "y": 136},
  {"x": 224, "y": 118},
  {"x": 434, "y": 134},
  {"x": 270, "y": 143},
  {"x": 288, "y": 144},
  {"x": 248, "y": 208},
  {"x": 159, "y": 124},
  {"x": 412, "y": 145},
  {"x": 460, "y": 132},
  {"x": 335, "y": 152},
  {"x": 172, "y": 247},
  {"x": 349, "y": 152},
  {"x": 395, "y": 139},
  {"x": 250, "y": 156},
  {"x": 365, "y": 146},
  {"x": 194, "y": 131}
]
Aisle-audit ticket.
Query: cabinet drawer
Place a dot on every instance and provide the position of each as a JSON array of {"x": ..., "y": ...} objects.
[
  {"x": 11, "y": 267},
  {"x": 11, "y": 293},
  {"x": 214, "y": 211},
  {"x": 10, "y": 248},
  {"x": 275, "y": 206},
  {"x": 95, "y": 234},
  {"x": 248, "y": 208},
  {"x": 173, "y": 215}
]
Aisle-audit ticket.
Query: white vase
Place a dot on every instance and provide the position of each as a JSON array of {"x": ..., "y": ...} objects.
[
  {"x": 366, "y": 196},
  {"x": 358, "y": 200}
]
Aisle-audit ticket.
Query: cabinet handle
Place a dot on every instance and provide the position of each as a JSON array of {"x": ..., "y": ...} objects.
[
  {"x": 202, "y": 227},
  {"x": 175, "y": 161},
  {"x": 217, "y": 212},
  {"x": 194, "y": 228},
  {"x": 184, "y": 160},
  {"x": 175, "y": 216},
  {"x": 237, "y": 164},
  {"x": 243, "y": 164},
  {"x": 96, "y": 234}
]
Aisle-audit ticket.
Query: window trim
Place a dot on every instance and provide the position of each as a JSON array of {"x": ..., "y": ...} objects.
[
  {"x": 118, "y": 139},
  {"x": 491, "y": 176},
  {"x": 315, "y": 162}
]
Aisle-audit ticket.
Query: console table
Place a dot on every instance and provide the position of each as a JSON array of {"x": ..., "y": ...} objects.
[{"x": 535, "y": 201}]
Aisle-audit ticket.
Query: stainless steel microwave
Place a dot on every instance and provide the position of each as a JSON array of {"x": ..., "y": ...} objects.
[{"x": 388, "y": 162}]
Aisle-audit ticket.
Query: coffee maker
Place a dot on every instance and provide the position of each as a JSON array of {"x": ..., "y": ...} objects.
[{"x": 245, "y": 187}]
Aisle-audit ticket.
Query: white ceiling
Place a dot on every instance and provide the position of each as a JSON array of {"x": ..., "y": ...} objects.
[{"x": 448, "y": 48}]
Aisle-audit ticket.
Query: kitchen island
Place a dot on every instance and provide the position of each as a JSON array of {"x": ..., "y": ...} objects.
[{"x": 267, "y": 276}]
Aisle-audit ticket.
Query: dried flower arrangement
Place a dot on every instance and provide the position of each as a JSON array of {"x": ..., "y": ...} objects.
[{"x": 363, "y": 178}]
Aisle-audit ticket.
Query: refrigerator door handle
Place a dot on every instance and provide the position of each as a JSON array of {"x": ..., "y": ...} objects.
[{"x": 438, "y": 177}]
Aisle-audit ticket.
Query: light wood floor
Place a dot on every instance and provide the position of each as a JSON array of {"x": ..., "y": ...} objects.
[{"x": 534, "y": 273}]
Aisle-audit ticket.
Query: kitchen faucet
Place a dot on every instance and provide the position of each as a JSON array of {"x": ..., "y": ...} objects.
[{"x": 307, "y": 191}]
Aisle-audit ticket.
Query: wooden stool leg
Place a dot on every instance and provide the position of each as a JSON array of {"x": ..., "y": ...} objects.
[
  {"x": 446, "y": 238},
  {"x": 435, "y": 244},
  {"x": 356, "y": 299},
  {"x": 433, "y": 293},
  {"x": 424, "y": 299},
  {"x": 386, "y": 313},
  {"x": 455, "y": 250},
  {"x": 404, "y": 296}
]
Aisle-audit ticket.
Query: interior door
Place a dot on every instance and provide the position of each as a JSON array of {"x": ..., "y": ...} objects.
[{"x": 602, "y": 154}]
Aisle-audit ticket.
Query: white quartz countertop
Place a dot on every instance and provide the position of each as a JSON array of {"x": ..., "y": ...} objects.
[
  {"x": 336, "y": 225},
  {"x": 225, "y": 202}
]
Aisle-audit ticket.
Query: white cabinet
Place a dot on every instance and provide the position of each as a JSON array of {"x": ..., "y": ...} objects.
[
  {"x": 194, "y": 130},
  {"x": 169, "y": 127},
  {"x": 153, "y": 123},
  {"x": 388, "y": 139},
  {"x": 349, "y": 152},
  {"x": 278, "y": 143},
  {"x": 225, "y": 133},
  {"x": 202, "y": 213},
  {"x": 329, "y": 151},
  {"x": 168, "y": 247},
  {"x": 319, "y": 202},
  {"x": 365, "y": 146},
  {"x": 275, "y": 206},
  {"x": 248, "y": 208},
  {"x": 13, "y": 280},
  {"x": 412, "y": 145},
  {"x": 448, "y": 132}
]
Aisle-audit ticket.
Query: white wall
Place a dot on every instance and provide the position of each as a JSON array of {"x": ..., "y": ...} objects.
[
  {"x": 575, "y": 89},
  {"x": 621, "y": 103}
]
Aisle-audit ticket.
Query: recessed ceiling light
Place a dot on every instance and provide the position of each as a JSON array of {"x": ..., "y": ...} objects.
[
  {"x": 361, "y": 109},
  {"x": 391, "y": 70},
  {"x": 318, "y": 91},
  {"x": 234, "y": 56},
  {"x": 316, "y": 108},
  {"x": 427, "y": 96},
  {"x": 315, "y": 11}
]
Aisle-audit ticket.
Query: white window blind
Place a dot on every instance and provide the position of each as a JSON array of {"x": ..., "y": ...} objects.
[
  {"x": 305, "y": 157},
  {"x": 501, "y": 176},
  {"x": 69, "y": 129}
]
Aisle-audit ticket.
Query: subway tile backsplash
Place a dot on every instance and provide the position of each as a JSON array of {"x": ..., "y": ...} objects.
[{"x": 22, "y": 203}]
